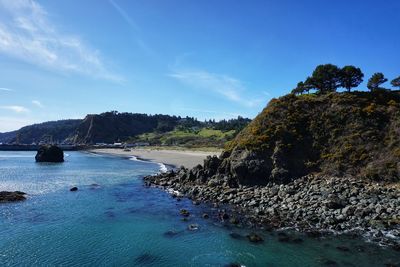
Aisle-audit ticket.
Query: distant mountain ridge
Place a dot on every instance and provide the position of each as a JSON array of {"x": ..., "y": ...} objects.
[{"x": 110, "y": 127}]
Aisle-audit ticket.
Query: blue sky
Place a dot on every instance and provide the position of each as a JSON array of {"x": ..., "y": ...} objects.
[{"x": 207, "y": 59}]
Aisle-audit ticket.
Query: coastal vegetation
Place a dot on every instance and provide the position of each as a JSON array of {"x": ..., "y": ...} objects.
[{"x": 328, "y": 78}]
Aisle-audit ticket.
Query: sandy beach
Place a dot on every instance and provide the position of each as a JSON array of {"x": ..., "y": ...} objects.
[{"x": 177, "y": 158}]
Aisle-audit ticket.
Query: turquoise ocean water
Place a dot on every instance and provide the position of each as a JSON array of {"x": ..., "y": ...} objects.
[{"x": 113, "y": 220}]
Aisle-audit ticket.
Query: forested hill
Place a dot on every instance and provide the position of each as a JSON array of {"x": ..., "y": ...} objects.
[
  {"x": 110, "y": 127},
  {"x": 56, "y": 130}
]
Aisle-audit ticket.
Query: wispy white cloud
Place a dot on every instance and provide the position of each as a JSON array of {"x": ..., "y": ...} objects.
[
  {"x": 26, "y": 33},
  {"x": 16, "y": 109},
  {"x": 14, "y": 123},
  {"x": 6, "y": 89},
  {"x": 37, "y": 103},
  {"x": 134, "y": 26},
  {"x": 230, "y": 88}
]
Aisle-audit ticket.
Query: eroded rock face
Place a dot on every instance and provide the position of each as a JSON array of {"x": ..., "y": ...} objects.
[
  {"x": 49, "y": 154},
  {"x": 6, "y": 196}
]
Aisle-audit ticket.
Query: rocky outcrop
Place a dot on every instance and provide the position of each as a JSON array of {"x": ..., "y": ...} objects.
[
  {"x": 336, "y": 134},
  {"x": 49, "y": 154},
  {"x": 6, "y": 196}
]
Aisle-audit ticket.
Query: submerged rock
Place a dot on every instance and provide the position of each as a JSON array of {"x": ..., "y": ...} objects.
[
  {"x": 171, "y": 233},
  {"x": 184, "y": 213},
  {"x": 255, "y": 238},
  {"x": 74, "y": 189},
  {"x": 235, "y": 235},
  {"x": 146, "y": 259},
  {"x": 6, "y": 196},
  {"x": 193, "y": 227},
  {"x": 49, "y": 154}
]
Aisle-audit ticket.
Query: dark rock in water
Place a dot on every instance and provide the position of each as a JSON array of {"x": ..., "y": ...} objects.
[
  {"x": 193, "y": 227},
  {"x": 184, "y": 213},
  {"x": 284, "y": 239},
  {"x": 344, "y": 249},
  {"x": 313, "y": 234},
  {"x": 234, "y": 221},
  {"x": 255, "y": 238},
  {"x": 171, "y": 233},
  {"x": 234, "y": 264},
  {"x": 146, "y": 259},
  {"x": 49, "y": 154},
  {"x": 297, "y": 240},
  {"x": 6, "y": 196},
  {"x": 74, "y": 189},
  {"x": 329, "y": 263},
  {"x": 205, "y": 216},
  {"x": 235, "y": 235},
  {"x": 109, "y": 214}
]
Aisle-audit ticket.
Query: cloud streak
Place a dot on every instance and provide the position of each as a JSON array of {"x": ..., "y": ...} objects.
[
  {"x": 37, "y": 103},
  {"x": 26, "y": 33},
  {"x": 16, "y": 109},
  {"x": 228, "y": 87},
  {"x": 6, "y": 89}
]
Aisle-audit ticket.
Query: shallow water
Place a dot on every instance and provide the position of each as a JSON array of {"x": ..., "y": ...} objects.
[{"x": 113, "y": 220}]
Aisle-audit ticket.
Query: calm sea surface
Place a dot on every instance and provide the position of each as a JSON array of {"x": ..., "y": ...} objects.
[{"x": 113, "y": 220}]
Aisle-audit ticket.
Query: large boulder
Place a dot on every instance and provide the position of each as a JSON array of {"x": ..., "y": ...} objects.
[
  {"x": 6, "y": 196},
  {"x": 49, "y": 154}
]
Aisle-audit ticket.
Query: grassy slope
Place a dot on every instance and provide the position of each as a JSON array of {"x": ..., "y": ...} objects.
[{"x": 204, "y": 137}]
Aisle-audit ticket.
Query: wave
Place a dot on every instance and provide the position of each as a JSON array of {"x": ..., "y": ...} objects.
[{"x": 162, "y": 166}]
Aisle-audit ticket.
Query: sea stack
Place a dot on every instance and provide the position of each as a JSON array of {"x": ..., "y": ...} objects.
[
  {"x": 6, "y": 196},
  {"x": 49, "y": 154}
]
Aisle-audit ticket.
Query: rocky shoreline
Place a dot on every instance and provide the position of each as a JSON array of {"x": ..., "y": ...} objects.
[{"x": 313, "y": 204}]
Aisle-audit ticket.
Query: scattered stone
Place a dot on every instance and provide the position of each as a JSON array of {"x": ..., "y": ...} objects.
[
  {"x": 193, "y": 227},
  {"x": 73, "y": 189},
  {"x": 184, "y": 213},
  {"x": 233, "y": 265},
  {"x": 234, "y": 221},
  {"x": 342, "y": 248},
  {"x": 255, "y": 238},
  {"x": 146, "y": 259},
  {"x": 297, "y": 240},
  {"x": 205, "y": 216},
  {"x": 170, "y": 233},
  {"x": 329, "y": 263},
  {"x": 6, "y": 196},
  {"x": 235, "y": 235}
]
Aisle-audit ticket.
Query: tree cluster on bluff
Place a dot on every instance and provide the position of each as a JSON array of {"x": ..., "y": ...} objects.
[{"x": 328, "y": 78}]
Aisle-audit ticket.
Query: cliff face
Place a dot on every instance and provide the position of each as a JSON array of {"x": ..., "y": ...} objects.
[
  {"x": 355, "y": 134},
  {"x": 111, "y": 127}
]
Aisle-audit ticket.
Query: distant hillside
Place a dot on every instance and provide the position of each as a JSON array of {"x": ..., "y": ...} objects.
[
  {"x": 110, "y": 127},
  {"x": 58, "y": 130},
  {"x": 355, "y": 134}
]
